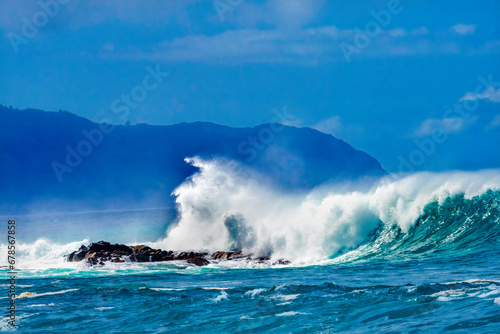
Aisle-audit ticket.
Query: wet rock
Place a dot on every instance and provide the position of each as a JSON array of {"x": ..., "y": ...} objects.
[
  {"x": 103, "y": 249},
  {"x": 77, "y": 255},
  {"x": 188, "y": 255},
  {"x": 198, "y": 260},
  {"x": 101, "y": 252},
  {"x": 227, "y": 255}
]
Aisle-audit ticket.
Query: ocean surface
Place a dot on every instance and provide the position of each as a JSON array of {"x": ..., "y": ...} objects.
[{"x": 414, "y": 255}]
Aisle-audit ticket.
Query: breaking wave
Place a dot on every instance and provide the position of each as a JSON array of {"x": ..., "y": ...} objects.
[{"x": 224, "y": 207}]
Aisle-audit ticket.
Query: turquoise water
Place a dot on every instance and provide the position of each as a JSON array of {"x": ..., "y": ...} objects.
[
  {"x": 409, "y": 296},
  {"x": 439, "y": 274}
]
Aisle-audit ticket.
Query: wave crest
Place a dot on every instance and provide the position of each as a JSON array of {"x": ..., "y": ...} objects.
[{"x": 224, "y": 206}]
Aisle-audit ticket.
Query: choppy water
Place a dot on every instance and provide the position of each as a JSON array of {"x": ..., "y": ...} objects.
[
  {"x": 422, "y": 261},
  {"x": 456, "y": 293}
]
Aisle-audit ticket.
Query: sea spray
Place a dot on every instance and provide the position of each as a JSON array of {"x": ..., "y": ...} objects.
[
  {"x": 224, "y": 206},
  {"x": 221, "y": 207}
]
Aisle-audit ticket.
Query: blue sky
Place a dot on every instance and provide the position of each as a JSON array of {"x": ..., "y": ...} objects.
[{"x": 379, "y": 74}]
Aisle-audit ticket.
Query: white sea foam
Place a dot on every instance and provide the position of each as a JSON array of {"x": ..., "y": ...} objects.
[
  {"x": 167, "y": 289},
  {"x": 41, "y": 305},
  {"x": 286, "y": 297},
  {"x": 222, "y": 207},
  {"x": 255, "y": 292},
  {"x": 290, "y": 313},
  {"x": 490, "y": 293},
  {"x": 33, "y": 295},
  {"x": 42, "y": 254},
  {"x": 474, "y": 280},
  {"x": 223, "y": 296}
]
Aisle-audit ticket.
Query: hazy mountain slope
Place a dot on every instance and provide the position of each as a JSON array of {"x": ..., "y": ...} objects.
[{"x": 144, "y": 163}]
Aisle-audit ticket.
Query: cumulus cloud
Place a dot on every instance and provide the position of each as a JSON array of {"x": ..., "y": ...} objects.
[{"x": 464, "y": 29}]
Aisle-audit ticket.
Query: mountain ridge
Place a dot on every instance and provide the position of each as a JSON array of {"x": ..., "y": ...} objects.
[{"x": 131, "y": 164}]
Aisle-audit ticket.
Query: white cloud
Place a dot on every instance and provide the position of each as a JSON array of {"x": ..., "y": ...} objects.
[
  {"x": 301, "y": 47},
  {"x": 330, "y": 125},
  {"x": 489, "y": 94},
  {"x": 287, "y": 38},
  {"x": 336, "y": 127},
  {"x": 76, "y": 14},
  {"x": 420, "y": 31},
  {"x": 464, "y": 29},
  {"x": 278, "y": 13},
  {"x": 398, "y": 32},
  {"x": 495, "y": 122},
  {"x": 250, "y": 46},
  {"x": 445, "y": 125},
  {"x": 304, "y": 46}
]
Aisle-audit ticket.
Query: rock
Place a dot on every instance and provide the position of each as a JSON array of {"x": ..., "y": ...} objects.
[
  {"x": 103, "y": 246},
  {"x": 188, "y": 255},
  {"x": 228, "y": 255},
  {"x": 198, "y": 260},
  {"x": 77, "y": 255},
  {"x": 141, "y": 248},
  {"x": 167, "y": 256},
  {"x": 101, "y": 252}
]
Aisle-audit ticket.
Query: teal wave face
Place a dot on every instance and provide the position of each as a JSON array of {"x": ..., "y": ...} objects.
[{"x": 458, "y": 226}]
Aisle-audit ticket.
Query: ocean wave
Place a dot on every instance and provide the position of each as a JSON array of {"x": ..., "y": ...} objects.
[
  {"x": 221, "y": 208},
  {"x": 33, "y": 294},
  {"x": 291, "y": 313},
  {"x": 223, "y": 296}
]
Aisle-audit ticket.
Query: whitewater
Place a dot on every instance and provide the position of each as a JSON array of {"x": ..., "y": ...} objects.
[{"x": 416, "y": 253}]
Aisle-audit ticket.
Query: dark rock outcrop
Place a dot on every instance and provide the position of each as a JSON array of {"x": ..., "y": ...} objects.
[
  {"x": 198, "y": 260},
  {"x": 101, "y": 252},
  {"x": 78, "y": 255},
  {"x": 228, "y": 255}
]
